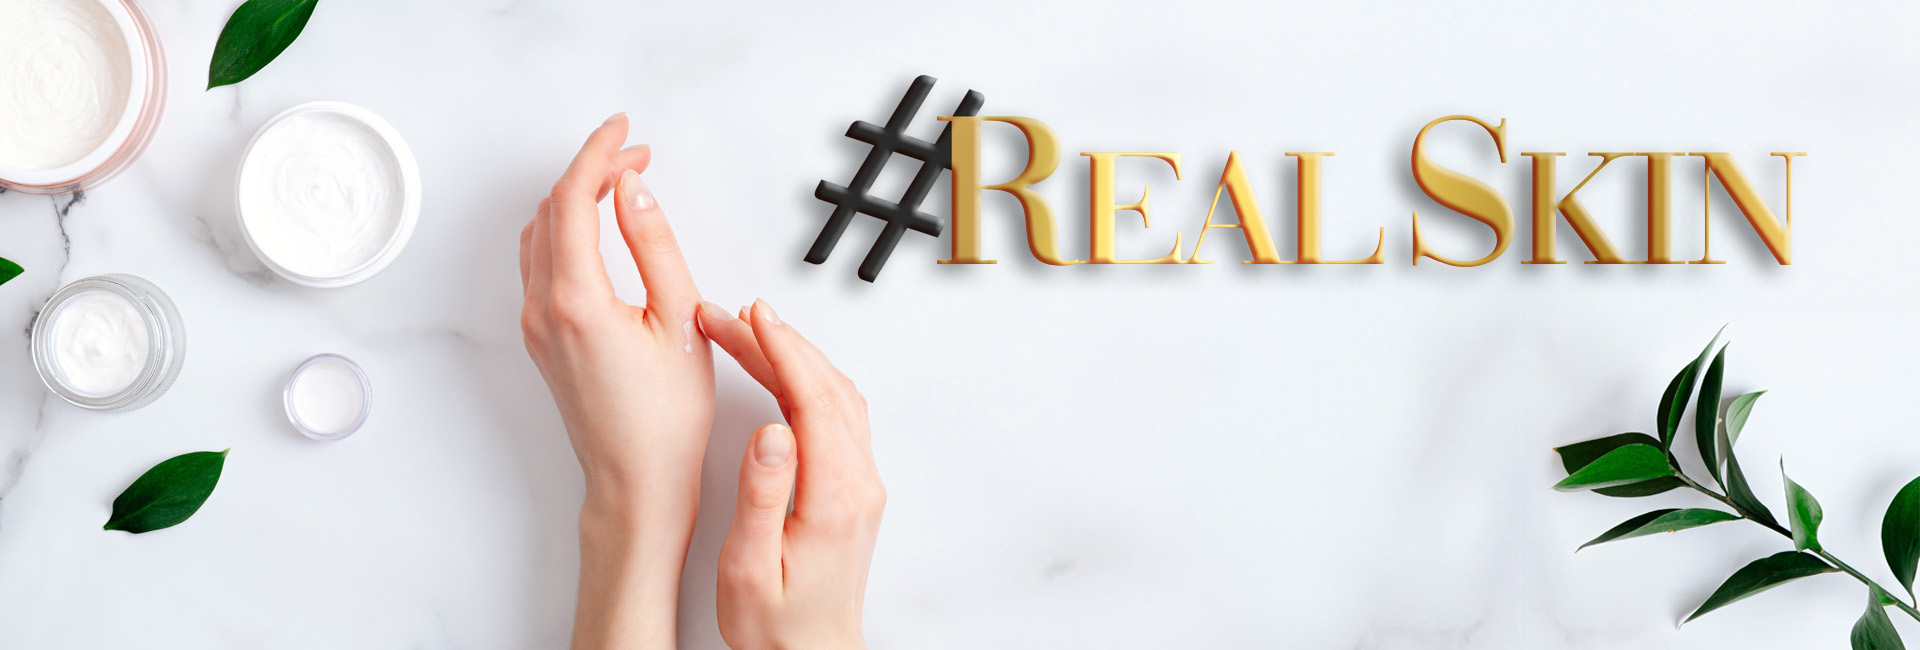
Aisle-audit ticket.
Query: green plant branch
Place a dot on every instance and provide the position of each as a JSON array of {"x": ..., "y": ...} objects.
[
  {"x": 1631, "y": 465},
  {"x": 1822, "y": 553},
  {"x": 1723, "y": 499},
  {"x": 1902, "y": 605}
]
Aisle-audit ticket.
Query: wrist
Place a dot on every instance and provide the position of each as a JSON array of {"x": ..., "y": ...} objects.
[
  {"x": 631, "y": 558},
  {"x": 636, "y": 522},
  {"x": 625, "y": 464},
  {"x": 655, "y": 485},
  {"x": 639, "y": 513}
]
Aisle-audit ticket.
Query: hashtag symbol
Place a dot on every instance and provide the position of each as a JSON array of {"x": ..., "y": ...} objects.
[{"x": 857, "y": 197}]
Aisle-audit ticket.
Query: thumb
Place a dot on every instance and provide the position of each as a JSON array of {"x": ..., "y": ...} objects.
[{"x": 751, "y": 556}]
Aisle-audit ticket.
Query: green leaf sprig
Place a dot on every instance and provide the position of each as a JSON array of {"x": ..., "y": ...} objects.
[
  {"x": 167, "y": 494},
  {"x": 1637, "y": 465},
  {"x": 256, "y": 33},
  {"x": 9, "y": 270}
]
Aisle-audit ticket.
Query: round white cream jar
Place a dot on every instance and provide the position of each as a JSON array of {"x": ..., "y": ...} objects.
[
  {"x": 82, "y": 86},
  {"x": 108, "y": 343},
  {"x": 328, "y": 194}
]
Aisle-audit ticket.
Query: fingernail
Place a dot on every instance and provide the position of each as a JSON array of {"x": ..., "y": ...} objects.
[
  {"x": 714, "y": 311},
  {"x": 766, "y": 311},
  {"x": 616, "y": 117},
  {"x": 635, "y": 190},
  {"x": 773, "y": 447}
]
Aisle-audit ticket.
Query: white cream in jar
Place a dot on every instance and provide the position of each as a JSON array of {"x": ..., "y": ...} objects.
[
  {"x": 65, "y": 77},
  {"x": 108, "y": 343},
  {"x": 328, "y": 194},
  {"x": 100, "y": 342}
]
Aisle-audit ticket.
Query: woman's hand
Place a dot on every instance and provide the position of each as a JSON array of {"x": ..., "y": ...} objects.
[
  {"x": 634, "y": 386},
  {"x": 797, "y": 581}
]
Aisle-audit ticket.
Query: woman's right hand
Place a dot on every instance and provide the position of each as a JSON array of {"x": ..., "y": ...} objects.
[{"x": 797, "y": 581}]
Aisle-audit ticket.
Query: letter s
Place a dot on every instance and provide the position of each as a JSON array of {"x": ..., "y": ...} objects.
[{"x": 1462, "y": 193}]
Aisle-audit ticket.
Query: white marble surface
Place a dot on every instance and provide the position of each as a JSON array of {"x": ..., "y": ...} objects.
[{"x": 1218, "y": 456}]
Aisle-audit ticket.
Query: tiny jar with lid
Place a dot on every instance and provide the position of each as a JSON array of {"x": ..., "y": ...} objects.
[
  {"x": 328, "y": 397},
  {"x": 109, "y": 343}
]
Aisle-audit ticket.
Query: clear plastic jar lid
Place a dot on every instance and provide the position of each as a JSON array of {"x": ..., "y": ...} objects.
[{"x": 328, "y": 397}]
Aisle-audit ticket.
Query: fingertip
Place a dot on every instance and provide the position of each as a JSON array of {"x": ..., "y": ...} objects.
[
  {"x": 614, "y": 125},
  {"x": 623, "y": 186},
  {"x": 636, "y": 158},
  {"x": 587, "y": 175},
  {"x": 763, "y": 313},
  {"x": 766, "y": 477},
  {"x": 773, "y": 446},
  {"x": 718, "y": 325},
  {"x": 634, "y": 193}
]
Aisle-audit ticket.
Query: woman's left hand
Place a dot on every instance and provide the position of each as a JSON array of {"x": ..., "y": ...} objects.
[{"x": 634, "y": 386}]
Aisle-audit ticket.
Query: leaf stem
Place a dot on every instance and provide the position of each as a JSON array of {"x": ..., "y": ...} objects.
[
  {"x": 1869, "y": 582},
  {"x": 1729, "y": 502},
  {"x": 1843, "y": 566}
]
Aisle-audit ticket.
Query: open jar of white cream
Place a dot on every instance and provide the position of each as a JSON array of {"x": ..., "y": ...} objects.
[
  {"x": 109, "y": 343},
  {"x": 328, "y": 194},
  {"x": 82, "y": 87}
]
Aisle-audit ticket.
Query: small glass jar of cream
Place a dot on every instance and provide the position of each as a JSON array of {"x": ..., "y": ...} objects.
[
  {"x": 109, "y": 343},
  {"x": 328, "y": 397},
  {"x": 82, "y": 87}
]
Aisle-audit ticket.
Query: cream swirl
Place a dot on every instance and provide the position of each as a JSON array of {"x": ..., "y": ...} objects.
[
  {"x": 65, "y": 75},
  {"x": 100, "y": 342},
  {"x": 320, "y": 194}
]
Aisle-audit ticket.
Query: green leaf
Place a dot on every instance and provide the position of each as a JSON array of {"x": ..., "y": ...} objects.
[
  {"x": 1579, "y": 454},
  {"x": 1629, "y": 464},
  {"x": 256, "y": 33},
  {"x": 1737, "y": 413},
  {"x": 1900, "y": 534},
  {"x": 9, "y": 270},
  {"x": 1763, "y": 574},
  {"x": 1706, "y": 414},
  {"x": 1742, "y": 494},
  {"x": 1803, "y": 511},
  {"x": 1674, "y": 403},
  {"x": 1645, "y": 488},
  {"x": 1874, "y": 631},
  {"x": 167, "y": 494},
  {"x": 1670, "y": 520}
]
